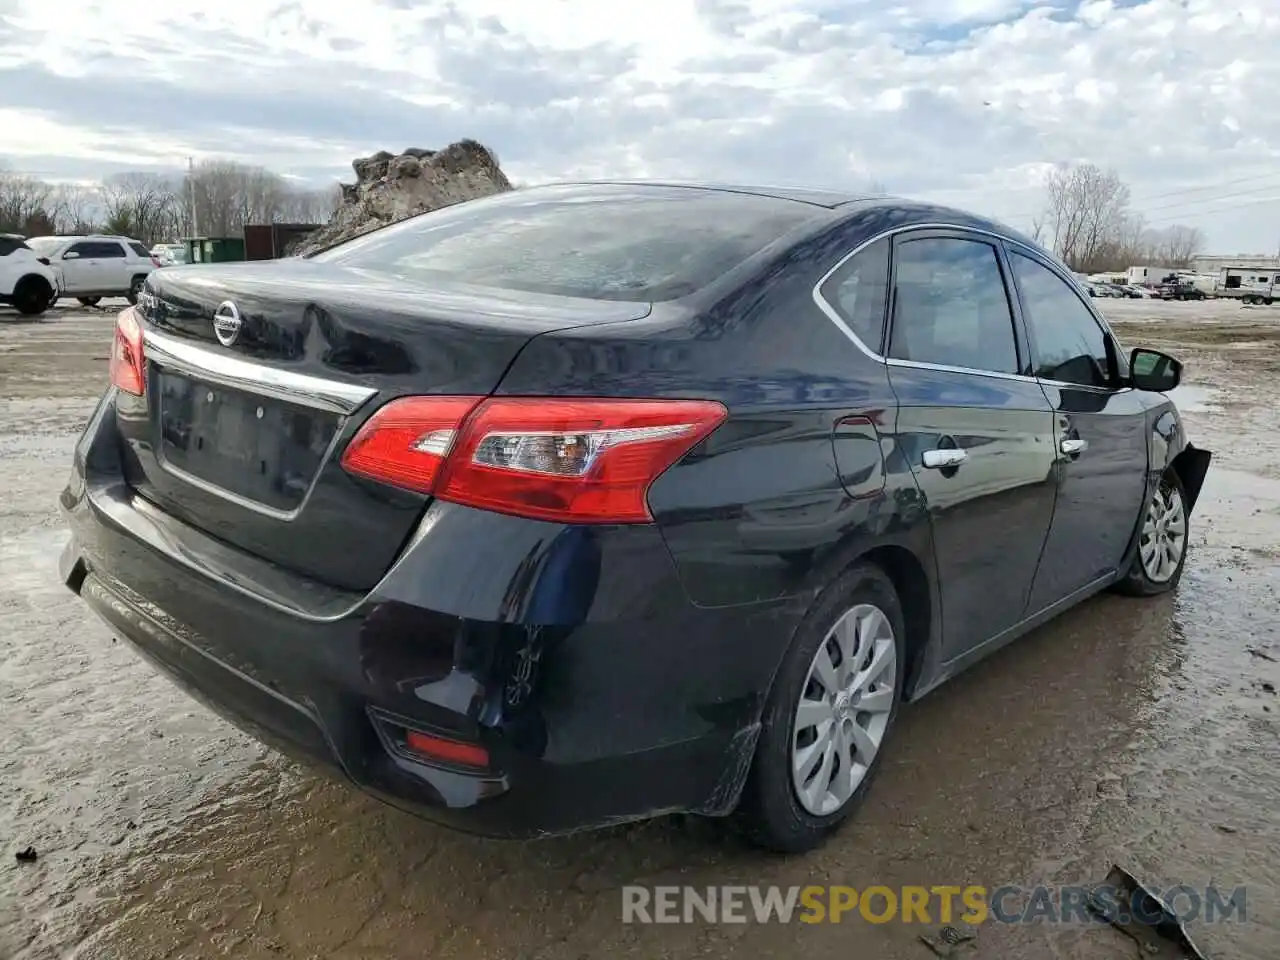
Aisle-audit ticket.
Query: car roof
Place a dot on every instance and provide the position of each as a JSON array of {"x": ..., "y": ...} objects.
[
  {"x": 813, "y": 196},
  {"x": 68, "y": 238},
  {"x": 847, "y": 203}
]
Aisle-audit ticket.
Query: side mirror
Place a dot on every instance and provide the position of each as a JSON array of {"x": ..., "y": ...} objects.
[
  {"x": 1153, "y": 370},
  {"x": 71, "y": 255}
]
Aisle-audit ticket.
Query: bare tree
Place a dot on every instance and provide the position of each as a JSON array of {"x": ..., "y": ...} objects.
[
  {"x": 230, "y": 195},
  {"x": 1174, "y": 246},
  {"x": 1088, "y": 222},
  {"x": 1087, "y": 210},
  {"x": 76, "y": 208},
  {"x": 1038, "y": 229},
  {"x": 25, "y": 205},
  {"x": 143, "y": 206}
]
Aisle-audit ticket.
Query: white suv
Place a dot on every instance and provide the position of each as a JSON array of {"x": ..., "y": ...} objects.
[
  {"x": 27, "y": 281},
  {"x": 91, "y": 268}
]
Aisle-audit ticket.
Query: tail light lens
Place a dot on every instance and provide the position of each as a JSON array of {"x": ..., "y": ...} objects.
[
  {"x": 128, "y": 366},
  {"x": 563, "y": 459},
  {"x": 155, "y": 261}
]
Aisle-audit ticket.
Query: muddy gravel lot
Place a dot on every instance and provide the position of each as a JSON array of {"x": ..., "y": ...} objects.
[{"x": 1135, "y": 732}]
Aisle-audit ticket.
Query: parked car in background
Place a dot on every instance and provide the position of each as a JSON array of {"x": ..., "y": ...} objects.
[
  {"x": 27, "y": 281},
  {"x": 169, "y": 254},
  {"x": 1181, "y": 291},
  {"x": 590, "y": 502},
  {"x": 90, "y": 268}
]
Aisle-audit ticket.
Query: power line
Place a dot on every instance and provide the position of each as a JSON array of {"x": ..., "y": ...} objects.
[
  {"x": 1200, "y": 213},
  {"x": 1226, "y": 196},
  {"x": 1138, "y": 205}
]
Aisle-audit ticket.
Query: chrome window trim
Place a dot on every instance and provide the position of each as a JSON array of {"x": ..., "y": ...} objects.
[
  {"x": 214, "y": 366},
  {"x": 1036, "y": 256}
]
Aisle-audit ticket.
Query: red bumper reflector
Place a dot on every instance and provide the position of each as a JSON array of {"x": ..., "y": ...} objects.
[{"x": 448, "y": 751}]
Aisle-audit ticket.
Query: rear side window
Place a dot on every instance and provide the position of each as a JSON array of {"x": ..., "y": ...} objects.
[
  {"x": 858, "y": 291},
  {"x": 951, "y": 306},
  {"x": 140, "y": 250},
  {"x": 622, "y": 243},
  {"x": 1069, "y": 344}
]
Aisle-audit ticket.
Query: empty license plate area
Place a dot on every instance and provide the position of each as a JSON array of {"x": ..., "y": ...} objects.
[{"x": 252, "y": 446}]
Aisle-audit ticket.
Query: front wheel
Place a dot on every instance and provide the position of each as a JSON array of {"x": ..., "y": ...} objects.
[
  {"x": 1162, "y": 542},
  {"x": 135, "y": 289},
  {"x": 828, "y": 716}
]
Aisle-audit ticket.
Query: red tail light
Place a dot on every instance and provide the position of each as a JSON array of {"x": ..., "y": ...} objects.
[
  {"x": 156, "y": 262},
  {"x": 563, "y": 459},
  {"x": 128, "y": 366}
]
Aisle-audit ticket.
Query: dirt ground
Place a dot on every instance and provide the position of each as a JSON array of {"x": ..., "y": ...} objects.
[{"x": 1135, "y": 732}]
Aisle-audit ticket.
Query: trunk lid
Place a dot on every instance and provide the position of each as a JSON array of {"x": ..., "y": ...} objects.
[{"x": 249, "y": 406}]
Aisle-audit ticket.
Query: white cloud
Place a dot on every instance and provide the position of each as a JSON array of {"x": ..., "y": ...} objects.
[{"x": 964, "y": 101}]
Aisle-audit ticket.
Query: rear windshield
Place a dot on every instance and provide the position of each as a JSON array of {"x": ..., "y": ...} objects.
[{"x": 606, "y": 243}]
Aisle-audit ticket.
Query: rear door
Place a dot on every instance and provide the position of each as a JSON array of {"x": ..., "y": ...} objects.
[
  {"x": 1099, "y": 431},
  {"x": 976, "y": 429}
]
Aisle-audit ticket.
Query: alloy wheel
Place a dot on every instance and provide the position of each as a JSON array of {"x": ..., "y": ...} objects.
[
  {"x": 1164, "y": 534},
  {"x": 844, "y": 709}
]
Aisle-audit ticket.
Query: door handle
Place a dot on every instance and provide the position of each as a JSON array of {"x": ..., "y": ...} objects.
[
  {"x": 1074, "y": 446},
  {"x": 944, "y": 459}
]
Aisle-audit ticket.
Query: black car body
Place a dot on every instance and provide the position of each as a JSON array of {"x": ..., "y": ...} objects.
[{"x": 517, "y": 660}]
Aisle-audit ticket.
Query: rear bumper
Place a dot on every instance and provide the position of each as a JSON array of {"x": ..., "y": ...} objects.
[{"x": 572, "y": 655}]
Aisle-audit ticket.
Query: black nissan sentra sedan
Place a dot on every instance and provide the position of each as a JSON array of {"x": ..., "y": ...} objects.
[{"x": 588, "y": 503}]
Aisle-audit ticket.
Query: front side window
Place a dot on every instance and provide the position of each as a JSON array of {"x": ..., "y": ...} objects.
[
  {"x": 1070, "y": 346},
  {"x": 951, "y": 306},
  {"x": 858, "y": 290}
]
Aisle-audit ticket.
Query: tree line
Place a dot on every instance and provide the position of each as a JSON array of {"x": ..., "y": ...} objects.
[
  {"x": 157, "y": 208},
  {"x": 1089, "y": 223}
]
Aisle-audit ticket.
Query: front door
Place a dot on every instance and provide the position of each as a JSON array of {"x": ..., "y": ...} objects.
[
  {"x": 976, "y": 429},
  {"x": 79, "y": 266},
  {"x": 1100, "y": 433}
]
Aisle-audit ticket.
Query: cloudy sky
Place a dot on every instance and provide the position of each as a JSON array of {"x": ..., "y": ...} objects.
[{"x": 964, "y": 101}]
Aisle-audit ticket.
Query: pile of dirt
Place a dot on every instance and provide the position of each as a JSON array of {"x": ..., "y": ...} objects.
[{"x": 391, "y": 187}]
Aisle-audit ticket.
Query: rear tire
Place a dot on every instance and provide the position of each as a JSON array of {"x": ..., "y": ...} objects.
[
  {"x": 1162, "y": 542},
  {"x": 32, "y": 296},
  {"x": 88, "y": 301},
  {"x": 799, "y": 791}
]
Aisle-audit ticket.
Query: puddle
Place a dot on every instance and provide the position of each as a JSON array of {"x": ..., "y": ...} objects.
[{"x": 1193, "y": 398}]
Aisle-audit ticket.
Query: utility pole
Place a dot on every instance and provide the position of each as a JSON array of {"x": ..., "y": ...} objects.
[{"x": 191, "y": 185}]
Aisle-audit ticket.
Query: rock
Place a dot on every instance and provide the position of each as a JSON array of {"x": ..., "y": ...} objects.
[
  {"x": 28, "y": 855},
  {"x": 390, "y": 187},
  {"x": 371, "y": 168},
  {"x": 404, "y": 166}
]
